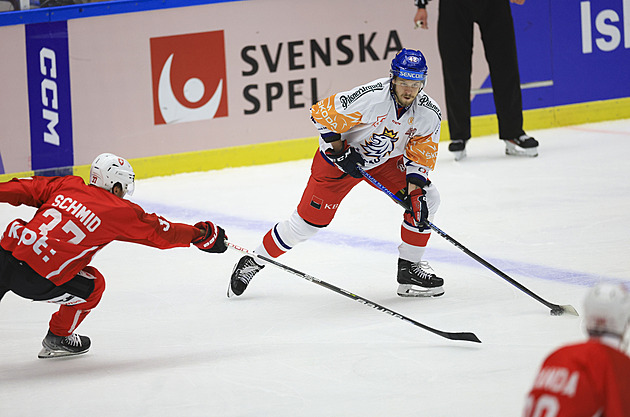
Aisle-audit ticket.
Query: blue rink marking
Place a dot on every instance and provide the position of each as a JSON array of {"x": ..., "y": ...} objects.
[{"x": 384, "y": 246}]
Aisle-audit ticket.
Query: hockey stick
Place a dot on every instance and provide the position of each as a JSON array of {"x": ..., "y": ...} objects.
[
  {"x": 453, "y": 336},
  {"x": 556, "y": 310}
]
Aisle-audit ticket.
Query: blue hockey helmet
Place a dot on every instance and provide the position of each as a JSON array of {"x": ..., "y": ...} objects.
[{"x": 410, "y": 64}]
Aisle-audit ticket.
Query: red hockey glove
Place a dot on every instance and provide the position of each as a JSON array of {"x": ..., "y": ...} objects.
[
  {"x": 347, "y": 159},
  {"x": 419, "y": 210},
  {"x": 213, "y": 240}
]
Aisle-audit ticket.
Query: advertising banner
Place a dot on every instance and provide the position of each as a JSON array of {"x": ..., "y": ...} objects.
[
  {"x": 592, "y": 62},
  {"x": 50, "y": 108},
  {"x": 231, "y": 75},
  {"x": 569, "y": 52},
  {"x": 197, "y": 78}
]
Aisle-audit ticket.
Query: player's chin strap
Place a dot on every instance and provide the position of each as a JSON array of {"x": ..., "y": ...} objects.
[
  {"x": 470, "y": 337},
  {"x": 556, "y": 310}
]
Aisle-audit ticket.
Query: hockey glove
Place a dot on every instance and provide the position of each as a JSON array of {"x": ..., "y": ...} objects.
[
  {"x": 347, "y": 159},
  {"x": 213, "y": 239},
  {"x": 419, "y": 210}
]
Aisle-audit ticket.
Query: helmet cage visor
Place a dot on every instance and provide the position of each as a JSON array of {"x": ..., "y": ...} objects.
[{"x": 124, "y": 178}]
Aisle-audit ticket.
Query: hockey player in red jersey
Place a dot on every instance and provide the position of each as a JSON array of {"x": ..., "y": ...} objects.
[
  {"x": 589, "y": 379},
  {"x": 46, "y": 259},
  {"x": 391, "y": 127}
]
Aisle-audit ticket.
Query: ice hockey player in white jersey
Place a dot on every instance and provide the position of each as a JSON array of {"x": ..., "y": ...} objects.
[{"x": 391, "y": 127}]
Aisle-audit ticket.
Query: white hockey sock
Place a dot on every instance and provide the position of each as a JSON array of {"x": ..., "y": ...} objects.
[
  {"x": 410, "y": 253},
  {"x": 285, "y": 235}
]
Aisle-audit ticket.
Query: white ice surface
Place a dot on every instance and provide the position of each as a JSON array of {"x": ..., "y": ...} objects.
[{"x": 167, "y": 341}]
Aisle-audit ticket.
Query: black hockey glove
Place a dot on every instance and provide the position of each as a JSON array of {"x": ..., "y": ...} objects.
[
  {"x": 419, "y": 210},
  {"x": 213, "y": 240},
  {"x": 347, "y": 160}
]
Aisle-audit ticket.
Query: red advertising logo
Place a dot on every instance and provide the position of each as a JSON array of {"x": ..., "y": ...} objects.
[{"x": 189, "y": 77}]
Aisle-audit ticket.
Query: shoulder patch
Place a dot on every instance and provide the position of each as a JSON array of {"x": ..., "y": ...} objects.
[{"x": 425, "y": 101}]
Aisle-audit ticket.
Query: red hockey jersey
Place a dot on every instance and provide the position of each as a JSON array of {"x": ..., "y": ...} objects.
[
  {"x": 589, "y": 379},
  {"x": 74, "y": 221}
]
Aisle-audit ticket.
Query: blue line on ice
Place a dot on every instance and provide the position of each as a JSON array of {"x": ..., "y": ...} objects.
[{"x": 385, "y": 246}]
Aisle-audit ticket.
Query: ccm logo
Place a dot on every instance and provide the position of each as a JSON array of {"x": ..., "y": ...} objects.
[{"x": 48, "y": 68}]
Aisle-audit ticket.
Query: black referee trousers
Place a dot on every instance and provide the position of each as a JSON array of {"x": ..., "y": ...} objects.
[{"x": 455, "y": 40}]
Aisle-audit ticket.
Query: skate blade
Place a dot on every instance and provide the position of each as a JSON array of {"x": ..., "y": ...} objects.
[
  {"x": 407, "y": 290},
  {"x": 230, "y": 293},
  {"x": 46, "y": 353},
  {"x": 511, "y": 149},
  {"x": 459, "y": 155}
]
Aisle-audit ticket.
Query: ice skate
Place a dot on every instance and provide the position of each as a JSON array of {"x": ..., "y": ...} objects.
[
  {"x": 242, "y": 274},
  {"x": 524, "y": 145},
  {"x": 458, "y": 147},
  {"x": 416, "y": 280},
  {"x": 58, "y": 346}
]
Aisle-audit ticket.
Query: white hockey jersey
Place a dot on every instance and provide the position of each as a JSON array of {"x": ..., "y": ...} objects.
[{"x": 367, "y": 120}]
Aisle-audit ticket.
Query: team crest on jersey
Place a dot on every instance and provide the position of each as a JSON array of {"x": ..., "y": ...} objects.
[{"x": 380, "y": 145}]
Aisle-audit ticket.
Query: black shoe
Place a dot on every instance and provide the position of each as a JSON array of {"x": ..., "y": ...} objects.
[
  {"x": 524, "y": 145},
  {"x": 458, "y": 147},
  {"x": 242, "y": 274},
  {"x": 57, "y": 346},
  {"x": 415, "y": 280}
]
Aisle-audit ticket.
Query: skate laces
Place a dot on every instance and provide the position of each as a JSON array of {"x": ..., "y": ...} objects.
[
  {"x": 73, "y": 340},
  {"x": 248, "y": 271},
  {"x": 421, "y": 269}
]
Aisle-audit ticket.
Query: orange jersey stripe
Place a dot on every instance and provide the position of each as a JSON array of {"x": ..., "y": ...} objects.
[
  {"x": 422, "y": 150},
  {"x": 324, "y": 113}
]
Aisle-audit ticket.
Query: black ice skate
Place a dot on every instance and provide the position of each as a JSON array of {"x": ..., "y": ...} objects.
[
  {"x": 57, "y": 346},
  {"x": 458, "y": 147},
  {"x": 242, "y": 274},
  {"x": 524, "y": 145},
  {"x": 415, "y": 280}
]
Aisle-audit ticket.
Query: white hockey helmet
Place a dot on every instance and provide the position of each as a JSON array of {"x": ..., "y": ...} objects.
[
  {"x": 109, "y": 169},
  {"x": 607, "y": 310}
]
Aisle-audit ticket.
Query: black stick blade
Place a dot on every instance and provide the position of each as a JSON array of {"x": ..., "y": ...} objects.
[{"x": 470, "y": 337}]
